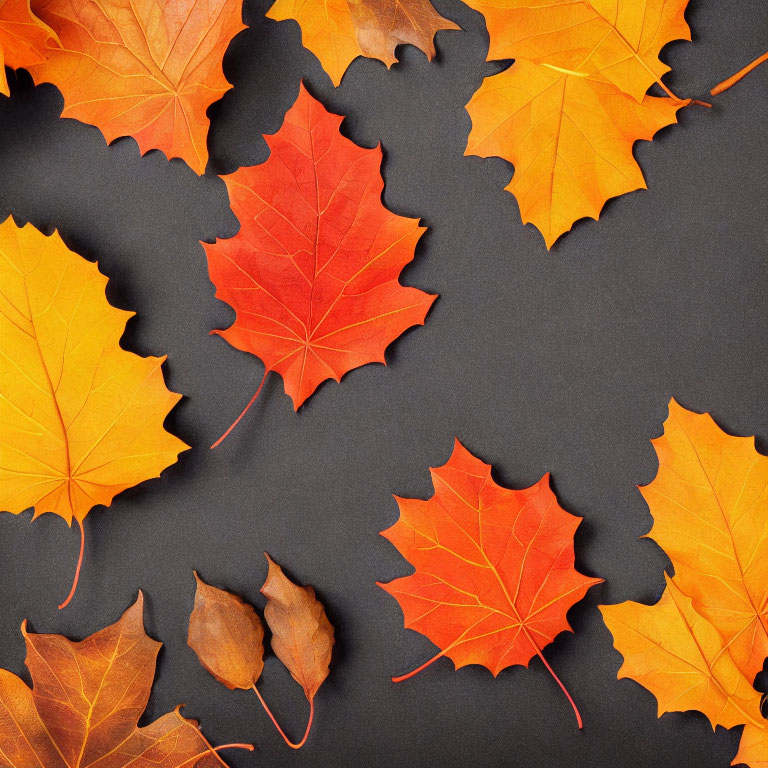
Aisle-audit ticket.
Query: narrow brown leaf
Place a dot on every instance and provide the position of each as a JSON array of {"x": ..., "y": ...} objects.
[
  {"x": 302, "y": 636},
  {"x": 227, "y": 635}
]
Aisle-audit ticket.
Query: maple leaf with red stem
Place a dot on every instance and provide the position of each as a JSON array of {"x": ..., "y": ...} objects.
[
  {"x": 495, "y": 572},
  {"x": 313, "y": 272}
]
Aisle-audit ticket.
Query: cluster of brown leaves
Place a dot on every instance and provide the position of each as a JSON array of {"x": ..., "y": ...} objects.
[{"x": 227, "y": 635}]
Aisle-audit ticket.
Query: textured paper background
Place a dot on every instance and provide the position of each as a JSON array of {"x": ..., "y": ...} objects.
[{"x": 560, "y": 361}]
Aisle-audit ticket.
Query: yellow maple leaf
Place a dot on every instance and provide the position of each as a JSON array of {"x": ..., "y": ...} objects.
[
  {"x": 709, "y": 503},
  {"x": 338, "y": 31},
  {"x": 141, "y": 68},
  {"x": 81, "y": 419},
  {"x": 570, "y": 138},
  {"x": 674, "y": 652},
  {"x": 618, "y": 40},
  {"x": 702, "y": 645}
]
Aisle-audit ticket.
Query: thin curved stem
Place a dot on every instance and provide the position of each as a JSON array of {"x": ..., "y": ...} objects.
[
  {"x": 245, "y": 410},
  {"x": 291, "y": 744},
  {"x": 726, "y": 84},
  {"x": 209, "y": 749},
  {"x": 416, "y": 671},
  {"x": 562, "y": 687},
  {"x": 77, "y": 570},
  {"x": 538, "y": 653}
]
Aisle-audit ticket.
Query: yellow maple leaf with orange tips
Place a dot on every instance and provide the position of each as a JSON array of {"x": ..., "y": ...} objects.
[
  {"x": 569, "y": 110},
  {"x": 701, "y": 646},
  {"x": 81, "y": 419}
]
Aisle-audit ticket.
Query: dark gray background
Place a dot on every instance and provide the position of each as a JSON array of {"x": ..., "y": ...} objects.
[{"x": 561, "y": 361}]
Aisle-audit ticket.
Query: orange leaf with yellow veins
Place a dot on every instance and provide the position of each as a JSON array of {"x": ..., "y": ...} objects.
[
  {"x": 709, "y": 503},
  {"x": 615, "y": 40},
  {"x": 142, "y": 68},
  {"x": 23, "y": 38},
  {"x": 495, "y": 572},
  {"x": 338, "y": 31},
  {"x": 81, "y": 419},
  {"x": 679, "y": 656},
  {"x": 570, "y": 138},
  {"x": 85, "y": 704}
]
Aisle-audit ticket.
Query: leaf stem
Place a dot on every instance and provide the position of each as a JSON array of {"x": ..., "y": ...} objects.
[
  {"x": 400, "y": 678},
  {"x": 245, "y": 410},
  {"x": 562, "y": 687},
  {"x": 291, "y": 744},
  {"x": 726, "y": 84},
  {"x": 79, "y": 565},
  {"x": 209, "y": 749}
]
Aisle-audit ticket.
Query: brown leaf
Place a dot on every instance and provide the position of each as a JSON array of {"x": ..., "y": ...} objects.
[
  {"x": 302, "y": 636},
  {"x": 86, "y": 702},
  {"x": 227, "y": 635}
]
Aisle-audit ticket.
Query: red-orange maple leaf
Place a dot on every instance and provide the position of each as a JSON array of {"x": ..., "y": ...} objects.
[
  {"x": 313, "y": 272},
  {"x": 494, "y": 567}
]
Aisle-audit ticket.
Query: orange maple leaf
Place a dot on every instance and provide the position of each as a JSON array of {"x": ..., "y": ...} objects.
[
  {"x": 142, "y": 68},
  {"x": 617, "y": 41},
  {"x": 494, "y": 567},
  {"x": 340, "y": 31},
  {"x": 701, "y": 646},
  {"x": 80, "y": 418},
  {"x": 570, "y": 109},
  {"x": 23, "y": 38},
  {"x": 313, "y": 272},
  {"x": 569, "y": 137},
  {"x": 86, "y": 701}
]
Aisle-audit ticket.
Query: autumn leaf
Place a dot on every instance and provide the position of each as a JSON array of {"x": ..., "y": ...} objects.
[
  {"x": 80, "y": 418},
  {"x": 338, "y": 32},
  {"x": 142, "y": 68},
  {"x": 23, "y": 38},
  {"x": 226, "y": 634},
  {"x": 617, "y": 41},
  {"x": 313, "y": 272},
  {"x": 702, "y": 645},
  {"x": 494, "y": 567},
  {"x": 568, "y": 112},
  {"x": 86, "y": 701},
  {"x": 570, "y": 138}
]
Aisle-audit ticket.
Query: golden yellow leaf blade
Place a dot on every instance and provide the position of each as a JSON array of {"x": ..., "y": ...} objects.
[
  {"x": 338, "y": 31},
  {"x": 616, "y": 40},
  {"x": 753, "y": 747},
  {"x": 709, "y": 503},
  {"x": 679, "y": 656},
  {"x": 569, "y": 137},
  {"x": 80, "y": 418}
]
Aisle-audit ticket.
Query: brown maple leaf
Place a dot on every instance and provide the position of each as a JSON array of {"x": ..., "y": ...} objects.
[{"x": 85, "y": 704}]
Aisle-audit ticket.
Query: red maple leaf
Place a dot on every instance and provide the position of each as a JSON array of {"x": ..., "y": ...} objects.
[
  {"x": 494, "y": 567},
  {"x": 313, "y": 272}
]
